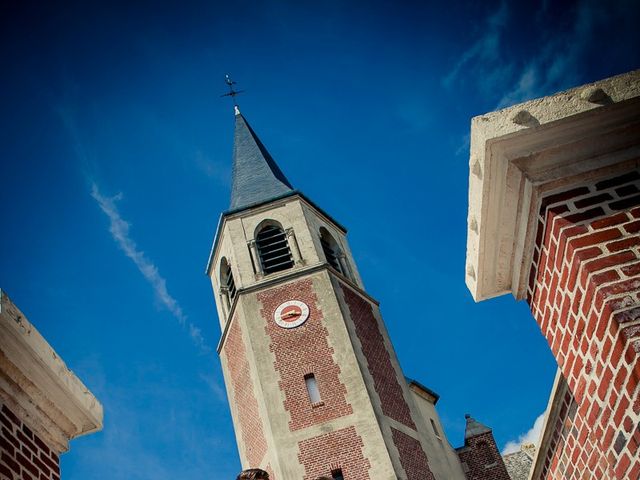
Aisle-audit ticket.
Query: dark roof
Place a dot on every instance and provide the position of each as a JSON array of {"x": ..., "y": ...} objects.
[
  {"x": 474, "y": 428},
  {"x": 256, "y": 176}
]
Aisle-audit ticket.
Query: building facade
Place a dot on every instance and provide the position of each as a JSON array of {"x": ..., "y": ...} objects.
[
  {"x": 313, "y": 381},
  {"x": 554, "y": 218}
]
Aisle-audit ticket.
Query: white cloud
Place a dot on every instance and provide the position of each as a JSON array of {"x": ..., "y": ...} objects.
[
  {"x": 119, "y": 229},
  {"x": 555, "y": 63},
  {"x": 214, "y": 169},
  {"x": 141, "y": 422},
  {"x": 486, "y": 48},
  {"x": 531, "y": 436}
]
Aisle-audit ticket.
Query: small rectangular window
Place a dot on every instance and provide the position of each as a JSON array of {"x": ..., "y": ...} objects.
[
  {"x": 337, "y": 474},
  {"x": 312, "y": 388},
  {"x": 435, "y": 429}
]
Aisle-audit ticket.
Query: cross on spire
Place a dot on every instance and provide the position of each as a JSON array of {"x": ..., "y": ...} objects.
[{"x": 232, "y": 92}]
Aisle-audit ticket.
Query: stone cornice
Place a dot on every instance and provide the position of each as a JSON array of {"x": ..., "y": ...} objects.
[
  {"x": 524, "y": 152},
  {"x": 37, "y": 386}
]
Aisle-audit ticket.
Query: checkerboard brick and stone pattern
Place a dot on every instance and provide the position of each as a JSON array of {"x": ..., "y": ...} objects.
[
  {"x": 385, "y": 378},
  {"x": 301, "y": 351},
  {"x": 23, "y": 455},
  {"x": 584, "y": 292},
  {"x": 343, "y": 448},
  {"x": 386, "y": 384},
  {"x": 248, "y": 415},
  {"x": 412, "y": 457}
]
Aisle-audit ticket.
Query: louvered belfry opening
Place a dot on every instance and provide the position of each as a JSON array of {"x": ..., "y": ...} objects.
[
  {"x": 273, "y": 248},
  {"x": 330, "y": 249},
  {"x": 226, "y": 279}
]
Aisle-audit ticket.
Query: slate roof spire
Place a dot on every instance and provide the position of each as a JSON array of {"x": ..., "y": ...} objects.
[
  {"x": 474, "y": 428},
  {"x": 256, "y": 177}
]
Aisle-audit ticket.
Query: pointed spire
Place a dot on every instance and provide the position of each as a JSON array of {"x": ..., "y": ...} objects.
[
  {"x": 474, "y": 427},
  {"x": 256, "y": 176}
]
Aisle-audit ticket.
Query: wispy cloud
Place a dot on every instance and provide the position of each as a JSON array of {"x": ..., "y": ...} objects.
[
  {"x": 553, "y": 65},
  {"x": 141, "y": 423},
  {"x": 486, "y": 48},
  {"x": 119, "y": 229},
  {"x": 531, "y": 436},
  {"x": 216, "y": 170},
  {"x": 556, "y": 65}
]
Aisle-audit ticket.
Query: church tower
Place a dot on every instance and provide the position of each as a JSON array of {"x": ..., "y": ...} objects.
[{"x": 313, "y": 381}]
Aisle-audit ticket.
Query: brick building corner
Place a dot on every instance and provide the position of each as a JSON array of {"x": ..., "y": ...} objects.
[
  {"x": 43, "y": 405},
  {"x": 554, "y": 218}
]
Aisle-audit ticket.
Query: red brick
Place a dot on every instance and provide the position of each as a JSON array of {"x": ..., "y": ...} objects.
[
  {"x": 615, "y": 289},
  {"x": 10, "y": 415},
  {"x": 562, "y": 196},
  {"x": 605, "y": 262},
  {"x": 633, "y": 227},
  {"x": 623, "y": 465},
  {"x": 385, "y": 378},
  {"x": 610, "y": 221},
  {"x": 412, "y": 456},
  {"x": 621, "y": 411},
  {"x": 10, "y": 462},
  {"x": 313, "y": 355},
  {"x": 632, "y": 270},
  {"x": 623, "y": 244},
  {"x": 249, "y": 422},
  {"x": 591, "y": 240},
  {"x": 314, "y": 452},
  {"x": 628, "y": 315},
  {"x": 619, "y": 180},
  {"x": 625, "y": 203}
]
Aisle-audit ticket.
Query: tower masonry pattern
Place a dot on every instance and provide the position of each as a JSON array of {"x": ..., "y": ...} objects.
[
  {"x": 304, "y": 351},
  {"x": 250, "y": 428},
  {"x": 314, "y": 385}
]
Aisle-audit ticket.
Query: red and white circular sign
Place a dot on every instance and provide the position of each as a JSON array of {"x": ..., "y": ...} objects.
[{"x": 291, "y": 314}]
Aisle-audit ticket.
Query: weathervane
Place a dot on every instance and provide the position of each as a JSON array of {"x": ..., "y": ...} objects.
[{"x": 232, "y": 92}]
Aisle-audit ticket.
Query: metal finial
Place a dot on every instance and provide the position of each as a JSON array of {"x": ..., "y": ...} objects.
[{"x": 232, "y": 92}]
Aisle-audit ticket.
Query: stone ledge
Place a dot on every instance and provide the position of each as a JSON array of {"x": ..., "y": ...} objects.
[
  {"x": 524, "y": 152},
  {"x": 37, "y": 386}
]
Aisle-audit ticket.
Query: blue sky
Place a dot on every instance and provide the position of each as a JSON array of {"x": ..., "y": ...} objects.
[{"x": 116, "y": 155}]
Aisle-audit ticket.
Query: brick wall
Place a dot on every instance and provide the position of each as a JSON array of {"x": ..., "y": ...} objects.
[
  {"x": 300, "y": 351},
  {"x": 248, "y": 416},
  {"x": 481, "y": 459},
  {"x": 562, "y": 458},
  {"x": 341, "y": 449},
  {"x": 24, "y": 456},
  {"x": 584, "y": 291},
  {"x": 385, "y": 378},
  {"x": 412, "y": 456},
  {"x": 386, "y": 384}
]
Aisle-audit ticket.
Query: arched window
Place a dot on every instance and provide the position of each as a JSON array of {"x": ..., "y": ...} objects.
[
  {"x": 331, "y": 249},
  {"x": 273, "y": 248},
  {"x": 226, "y": 279}
]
